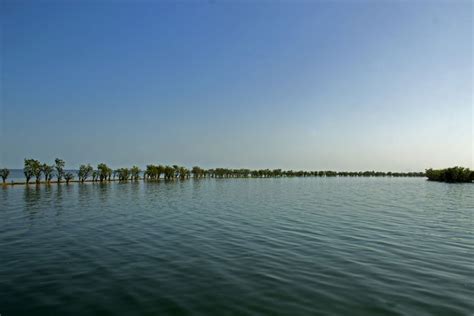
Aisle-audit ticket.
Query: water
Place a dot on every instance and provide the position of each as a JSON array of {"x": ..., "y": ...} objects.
[{"x": 299, "y": 246}]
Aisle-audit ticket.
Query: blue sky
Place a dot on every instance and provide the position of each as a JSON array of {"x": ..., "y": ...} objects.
[{"x": 345, "y": 85}]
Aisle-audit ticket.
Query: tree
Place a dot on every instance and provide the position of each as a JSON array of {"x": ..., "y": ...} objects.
[
  {"x": 170, "y": 172},
  {"x": 198, "y": 172},
  {"x": 135, "y": 173},
  {"x": 95, "y": 175},
  {"x": 37, "y": 169},
  {"x": 151, "y": 172},
  {"x": 454, "y": 174},
  {"x": 68, "y": 176},
  {"x": 176, "y": 171},
  {"x": 4, "y": 173},
  {"x": 32, "y": 168},
  {"x": 47, "y": 171},
  {"x": 28, "y": 170},
  {"x": 183, "y": 173},
  {"x": 211, "y": 173},
  {"x": 123, "y": 174},
  {"x": 160, "y": 170},
  {"x": 84, "y": 172},
  {"x": 104, "y": 172},
  {"x": 59, "y": 166}
]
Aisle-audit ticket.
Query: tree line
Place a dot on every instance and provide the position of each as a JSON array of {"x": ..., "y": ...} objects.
[
  {"x": 454, "y": 174},
  {"x": 46, "y": 172},
  {"x": 34, "y": 168}
]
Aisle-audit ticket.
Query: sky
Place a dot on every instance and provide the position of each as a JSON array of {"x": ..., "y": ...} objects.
[{"x": 315, "y": 85}]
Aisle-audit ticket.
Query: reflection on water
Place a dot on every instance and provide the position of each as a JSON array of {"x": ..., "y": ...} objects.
[
  {"x": 102, "y": 191},
  {"x": 32, "y": 198},
  {"x": 238, "y": 246}
]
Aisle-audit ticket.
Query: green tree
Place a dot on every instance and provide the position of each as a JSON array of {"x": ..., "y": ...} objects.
[
  {"x": 176, "y": 171},
  {"x": 153, "y": 172},
  {"x": 197, "y": 172},
  {"x": 84, "y": 172},
  {"x": 68, "y": 176},
  {"x": 454, "y": 174},
  {"x": 135, "y": 173},
  {"x": 95, "y": 175},
  {"x": 47, "y": 171},
  {"x": 28, "y": 170},
  {"x": 123, "y": 174},
  {"x": 59, "y": 166},
  {"x": 32, "y": 168},
  {"x": 4, "y": 173},
  {"x": 104, "y": 172},
  {"x": 183, "y": 173},
  {"x": 169, "y": 172}
]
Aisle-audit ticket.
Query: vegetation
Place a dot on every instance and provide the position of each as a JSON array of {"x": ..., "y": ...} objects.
[
  {"x": 68, "y": 176},
  {"x": 103, "y": 172},
  {"x": 198, "y": 172},
  {"x": 84, "y": 172},
  {"x": 170, "y": 172},
  {"x": 4, "y": 173},
  {"x": 135, "y": 173},
  {"x": 153, "y": 172},
  {"x": 123, "y": 174},
  {"x": 33, "y": 168},
  {"x": 59, "y": 166},
  {"x": 276, "y": 173},
  {"x": 27, "y": 171},
  {"x": 183, "y": 173},
  {"x": 454, "y": 174},
  {"x": 47, "y": 170}
]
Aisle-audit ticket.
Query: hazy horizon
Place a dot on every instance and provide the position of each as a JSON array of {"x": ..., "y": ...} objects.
[{"x": 307, "y": 85}]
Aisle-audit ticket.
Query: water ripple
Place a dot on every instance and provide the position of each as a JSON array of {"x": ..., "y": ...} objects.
[{"x": 239, "y": 247}]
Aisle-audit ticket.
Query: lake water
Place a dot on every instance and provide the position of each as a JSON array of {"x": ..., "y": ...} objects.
[{"x": 297, "y": 246}]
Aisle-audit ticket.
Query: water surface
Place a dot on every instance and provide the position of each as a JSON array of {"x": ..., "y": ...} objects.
[{"x": 298, "y": 246}]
